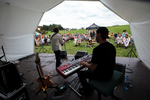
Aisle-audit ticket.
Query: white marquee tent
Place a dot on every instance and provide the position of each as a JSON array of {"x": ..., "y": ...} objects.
[{"x": 20, "y": 18}]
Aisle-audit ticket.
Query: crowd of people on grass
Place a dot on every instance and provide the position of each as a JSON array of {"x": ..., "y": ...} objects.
[
  {"x": 77, "y": 38},
  {"x": 89, "y": 38},
  {"x": 80, "y": 38},
  {"x": 123, "y": 38},
  {"x": 41, "y": 40}
]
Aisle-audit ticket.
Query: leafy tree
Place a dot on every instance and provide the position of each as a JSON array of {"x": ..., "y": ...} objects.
[{"x": 50, "y": 27}]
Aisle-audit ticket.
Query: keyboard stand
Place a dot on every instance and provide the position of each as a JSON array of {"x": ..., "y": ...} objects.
[{"x": 76, "y": 86}]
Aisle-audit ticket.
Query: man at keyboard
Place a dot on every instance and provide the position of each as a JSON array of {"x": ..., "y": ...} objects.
[{"x": 102, "y": 65}]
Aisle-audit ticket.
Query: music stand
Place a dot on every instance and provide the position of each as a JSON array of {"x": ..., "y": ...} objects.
[{"x": 130, "y": 52}]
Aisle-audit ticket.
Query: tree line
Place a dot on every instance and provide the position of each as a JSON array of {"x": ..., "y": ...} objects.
[{"x": 45, "y": 28}]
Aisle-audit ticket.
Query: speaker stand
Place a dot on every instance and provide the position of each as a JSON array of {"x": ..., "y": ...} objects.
[{"x": 130, "y": 53}]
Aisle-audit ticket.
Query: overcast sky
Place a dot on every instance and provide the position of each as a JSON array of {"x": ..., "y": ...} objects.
[{"x": 77, "y": 14}]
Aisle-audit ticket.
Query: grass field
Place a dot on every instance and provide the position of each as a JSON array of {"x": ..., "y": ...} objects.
[
  {"x": 71, "y": 49},
  {"x": 71, "y": 31},
  {"x": 117, "y": 28}
]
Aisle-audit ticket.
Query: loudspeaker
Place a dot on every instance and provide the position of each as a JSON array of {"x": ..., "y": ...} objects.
[
  {"x": 11, "y": 85},
  {"x": 63, "y": 54},
  {"x": 18, "y": 94},
  {"x": 9, "y": 78},
  {"x": 80, "y": 54}
]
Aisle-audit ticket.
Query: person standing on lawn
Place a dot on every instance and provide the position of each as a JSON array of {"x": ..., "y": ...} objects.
[{"x": 56, "y": 42}]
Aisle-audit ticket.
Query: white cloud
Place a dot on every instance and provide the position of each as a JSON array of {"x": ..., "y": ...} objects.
[{"x": 77, "y": 14}]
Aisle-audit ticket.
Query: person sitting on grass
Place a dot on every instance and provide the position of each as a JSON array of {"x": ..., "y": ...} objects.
[
  {"x": 85, "y": 37},
  {"x": 71, "y": 37},
  {"x": 124, "y": 32},
  {"x": 82, "y": 37},
  {"x": 90, "y": 43},
  {"x": 79, "y": 39},
  {"x": 126, "y": 40},
  {"x": 48, "y": 40},
  {"x": 115, "y": 36},
  {"x": 131, "y": 39},
  {"x": 94, "y": 40},
  {"x": 75, "y": 41},
  {"x": 119, "y": 40},
  {"x": 112, "y": 34},
  {"x": 42, "y": 41}
]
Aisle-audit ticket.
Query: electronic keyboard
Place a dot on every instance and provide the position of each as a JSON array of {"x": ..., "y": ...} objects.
[{"x": 72, "y": 67}]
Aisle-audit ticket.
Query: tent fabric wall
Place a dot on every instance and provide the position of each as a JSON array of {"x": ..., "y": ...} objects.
[
  {"x": 17, "y": 27},
  {"x": 18, "y": 46},
  {"x": 142, "y": 40},
  {"x": 137, "y": 13},
  {"x": 18, "y": 21}
]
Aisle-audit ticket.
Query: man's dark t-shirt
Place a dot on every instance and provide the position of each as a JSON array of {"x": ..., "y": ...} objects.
[{"x": 104, "y": 55}]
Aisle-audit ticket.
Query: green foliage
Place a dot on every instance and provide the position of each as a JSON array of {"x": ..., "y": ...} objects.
[
  {"x": 46, "y": 28},
  {"x": 43, "y": 32}
]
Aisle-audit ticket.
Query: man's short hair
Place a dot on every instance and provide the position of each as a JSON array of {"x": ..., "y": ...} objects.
[
  {"x": 56, "y": 29},
  {"x": 124, "y": 30},
  {"x": 104, "y": 32}
]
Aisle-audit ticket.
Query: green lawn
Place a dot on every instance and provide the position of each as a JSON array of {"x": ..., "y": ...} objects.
[
  {"x": 119, "y": 28},
  {"x": 71, "y": 31},
  {"x": 71, "y": 49}
]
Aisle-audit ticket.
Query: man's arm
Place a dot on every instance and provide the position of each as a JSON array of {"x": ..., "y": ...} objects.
[{"x": 91, "y": 66}]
